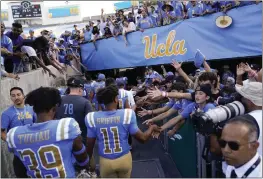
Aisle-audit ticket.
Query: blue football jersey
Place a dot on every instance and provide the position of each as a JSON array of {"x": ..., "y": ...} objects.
[
  {"x": 46, "y": 148},
  {"x": 112, "y": 128}
]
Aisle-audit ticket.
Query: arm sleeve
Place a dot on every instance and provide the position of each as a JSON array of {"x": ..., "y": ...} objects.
[
  {"x": 89, "y": 121},
  {"x": 5, "y": 121},
  {"x": 133, "y": 127}
]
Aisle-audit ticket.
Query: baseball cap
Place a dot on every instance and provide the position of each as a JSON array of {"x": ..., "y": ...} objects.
[
  {"x": 206, "y": 88},
  {"x": 75, "y": 82},
  {"x": 31, "y": 30},
  {"x": 101, "y": 76},
  {"x": 169, "y": 73},
  {"x": 252, "y": 91},
  {"x": 255, "y": 67}
]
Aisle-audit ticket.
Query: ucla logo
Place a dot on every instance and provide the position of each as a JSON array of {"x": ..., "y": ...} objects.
[
  {"x": 171, "y": 47},
  {"x": 21, "y": 116}
]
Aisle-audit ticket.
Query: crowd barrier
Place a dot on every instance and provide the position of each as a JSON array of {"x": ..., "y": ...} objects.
[{"x": 186, "y": 149}]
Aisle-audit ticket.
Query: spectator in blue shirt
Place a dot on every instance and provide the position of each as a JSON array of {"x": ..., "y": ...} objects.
[
  {"x": 203, "y": 96},
  {"x": 178, "y": 9},
  {"x": 75, "y": 29},
  {"x": 207, "y": 8},
  {"x": 6, "y": 44},
  {"x": 168, "y": 14},
  {"x": 31, "y": 35},
  {"x": 17, "y": 40},
  {"x": 62, "y": 50},
  {"x": 88, "y": 33},
  {"x": 154, "y": 16},
  {"x": 145, "y": 22},
  {"x": 194, "y": 11}
]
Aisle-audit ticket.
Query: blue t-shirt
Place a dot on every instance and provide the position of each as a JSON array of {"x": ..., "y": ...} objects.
[
  {"x": 145, "y": 23},
  {"x": 194, "y": 10},
  {"x": 17, "y": 43},
  {"x": 167, "y": 20},
  {"x": 207, "y": 7},
  {"x": 112, "y": 129},
  {"x": 194, "y": 106},
  {"x": 6, "y": 42},
  {"x": 180, "y": 105},
  {"x": 87, "y": 35},
  {"x": 13, "y": 117},
  {"x": 47, "y": 145},
  {"x": 170, "y": 103}
]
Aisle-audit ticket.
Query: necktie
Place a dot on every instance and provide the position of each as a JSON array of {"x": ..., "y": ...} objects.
[{"x": 233, "y": 174}]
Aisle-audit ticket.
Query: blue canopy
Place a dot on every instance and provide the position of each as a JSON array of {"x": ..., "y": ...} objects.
[{"x": 180, "y": 41}]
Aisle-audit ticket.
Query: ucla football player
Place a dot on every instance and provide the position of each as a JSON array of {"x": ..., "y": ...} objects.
[
  {"x": 46, "y": 147},
  {"x": 111, "y": 128}
]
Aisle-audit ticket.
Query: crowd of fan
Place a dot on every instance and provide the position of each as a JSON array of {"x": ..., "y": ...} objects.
[
  {"x": 150, "y": 16},
  {"x": 202, "y": 90},
  {"x": 20, "y": 53}
]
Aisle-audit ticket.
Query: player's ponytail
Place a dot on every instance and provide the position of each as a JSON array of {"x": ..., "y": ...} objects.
[
  {"x": 43, "y": 99},
  {"x": 107, "y": 95}
]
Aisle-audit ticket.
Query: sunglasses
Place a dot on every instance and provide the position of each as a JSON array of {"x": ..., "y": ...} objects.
[{"x": 231, "y": 144}]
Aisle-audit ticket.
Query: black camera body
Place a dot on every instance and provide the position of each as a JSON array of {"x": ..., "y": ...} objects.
[{"x": 213, "y": 121}]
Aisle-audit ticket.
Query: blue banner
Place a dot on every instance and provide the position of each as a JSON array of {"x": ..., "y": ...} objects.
[
  {"x": 63, "y": 11},
  {"x": 180, "y": 41},
  {"x": 122, "y": 5}
]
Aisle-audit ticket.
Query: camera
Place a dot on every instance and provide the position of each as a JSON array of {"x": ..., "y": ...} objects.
[{"x": 212, "y": 121}]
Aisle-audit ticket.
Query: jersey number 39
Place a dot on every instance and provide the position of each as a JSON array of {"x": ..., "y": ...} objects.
[{"x": 56, "y": 167}]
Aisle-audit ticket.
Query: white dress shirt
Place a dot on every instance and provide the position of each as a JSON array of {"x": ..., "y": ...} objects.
[{"x": 257, "y": 172}]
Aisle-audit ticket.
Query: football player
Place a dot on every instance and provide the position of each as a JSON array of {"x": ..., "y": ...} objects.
[
  {"x": 46, "y": 147},
  {"x": 112, "y": 128}
]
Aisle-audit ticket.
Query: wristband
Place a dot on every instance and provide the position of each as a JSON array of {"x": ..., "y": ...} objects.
[
  {"x": 164, "y": 94},
  {"x": 252, "y": 74},
  {"x": 83, "y": 163},
  {"x": 83, "y": 149}
]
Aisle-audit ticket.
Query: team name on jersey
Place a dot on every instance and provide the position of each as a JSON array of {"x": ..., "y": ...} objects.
[{"x": 34, "y": 137}]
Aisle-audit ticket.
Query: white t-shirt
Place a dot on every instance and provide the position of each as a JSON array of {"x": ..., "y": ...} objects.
[
  {"x": 102, "y": 25},
  {"x": 29, "y": 51},
  {"x": 131, "y": 27},
  {"x": 257, "y": 114}
]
